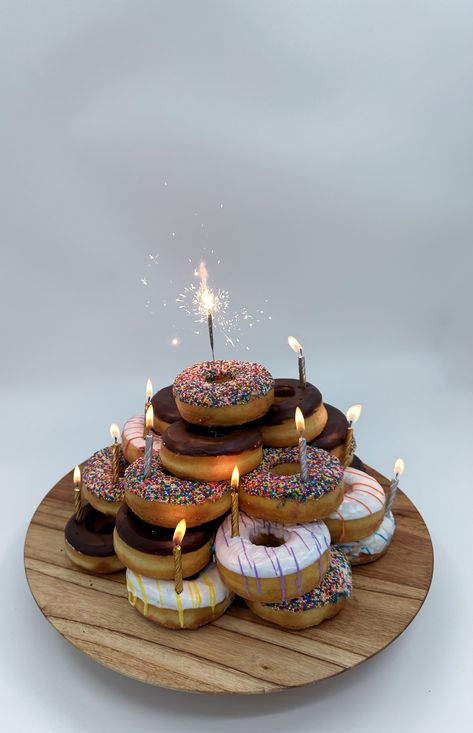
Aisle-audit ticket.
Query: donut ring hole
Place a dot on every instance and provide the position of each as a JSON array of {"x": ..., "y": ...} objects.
[
  {"x": 100, "y": 524},
  {"x": 220, "y": 378},
  {"x": 286, "y": 469},
  {"x": 283, "y": 393},
  {"x": 267, "y": 540}
]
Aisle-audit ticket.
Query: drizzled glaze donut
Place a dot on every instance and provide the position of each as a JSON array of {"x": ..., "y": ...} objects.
[
  {"x": 97, "y": 484},
  {"x": 133, "y": 443},
  {"x": 226, "y": 392},
  {"x": 322, "y": 602},
  {"x": 148, "y": 549},
  {"x": 165, "y": 411},
  {"x": 361, "y": 511},
  {"x": 275, "y": 490},
  {"x": 209, "y": 454},
  {"x": 89, "y": 543},
  {"x": 272, "y": 562},
  {"x": 164, "y": 499},
  {"x": 278, "y": 427},
  {"x": 371, "y": 548},
  {"x": 202, "y": 600}
]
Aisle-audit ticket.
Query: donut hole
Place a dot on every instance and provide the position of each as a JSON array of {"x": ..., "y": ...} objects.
[
  {"x": 283, "y": 393},
  {"x": 220, "y": 378},
  {"x": 267, "y": 540},
  {"x": 286, "y": 469},
  {"x": 100, "y": 523}
]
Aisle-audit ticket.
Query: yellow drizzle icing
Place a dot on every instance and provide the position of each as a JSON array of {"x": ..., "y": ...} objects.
[
  {"x": 143, "y": 592},
  {"x": 131, "y": 593},
  {"x": 211, "y": 588},
  {"x": 197, "y": 593},
  {"x": 158, "y": 588}
]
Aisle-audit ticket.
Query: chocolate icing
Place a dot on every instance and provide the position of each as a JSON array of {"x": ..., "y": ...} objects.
[
  {"x": 93, "y": 535},
  {"x": 334, "y": 432},
  {"x": 164, "y": 405},
  {"x": 292, "y": 395},
  {"x": 156, "y": 540},
  {"x": 198, "y": 440}
]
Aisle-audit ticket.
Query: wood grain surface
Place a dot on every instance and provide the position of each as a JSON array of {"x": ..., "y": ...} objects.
[{"x": 238, "y": 653}]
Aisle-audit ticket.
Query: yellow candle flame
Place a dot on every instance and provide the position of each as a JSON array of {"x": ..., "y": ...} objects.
[
  {"x": 149, "y": 417},
  {"x": 300, "y": 422},
  {"x": 76, "y": 477},
  {"x": 235, "y": 478},
  {"x": 149, "y": 389},
  {"x": 353, "y": 413},
  {"x": 179, "y": 532},
  {"x": 114, "y": 431},
  {"x": 294, "y": 344},
  {"x": 399, "y": 467}
]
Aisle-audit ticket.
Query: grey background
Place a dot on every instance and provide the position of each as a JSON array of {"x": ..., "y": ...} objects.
[{"x": 337, "y": 136}]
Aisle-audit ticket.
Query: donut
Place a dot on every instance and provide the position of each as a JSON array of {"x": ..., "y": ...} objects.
[
  {"x": 278, "y": 427},
  {"x": 97, "y": 482},
  {"x": 164, "y": 499},
  {"x": 89, "y": 543},
  {"x": 276, "y": 491},
  {"x": 209, "y": 454},
  {"x": 371, "y": 548},
  {"x": 361, "y": 511},
  {"x": 147, "y": 549},
  {"x": 320, "y": 603},
  {"x": 202, "y": 600},
  {"x": 226, "y": 392},
  {"x": 165, "y": 411},
  {"x": 133, "y": 443},
  {"x": 269, "y": 561},
  {"x": 332, "y": 437}
]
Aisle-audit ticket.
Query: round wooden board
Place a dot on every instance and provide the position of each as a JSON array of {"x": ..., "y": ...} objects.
[{"x": 238, "y": 653}]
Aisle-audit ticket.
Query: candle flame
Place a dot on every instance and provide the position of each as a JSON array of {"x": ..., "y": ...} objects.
[
  {"x": 149, "y": 389},
  {"x": 235, "y": 478},
  {"x": 114, "y": 431},
  {"x": 399, "y": 467},
  {"x": 294, "y": 344},
  {"x": 353, "y": 413},
  {"x": 76, "y": 478},
  {"x": 300, "y": 422},
  {"x": 149, "y": 418},
  {"x": 179, "y": 532}
]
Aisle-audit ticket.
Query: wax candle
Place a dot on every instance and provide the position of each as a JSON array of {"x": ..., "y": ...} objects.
[
  {"x": 235, "y": 512},
  {"x": 300, "y": 427},
  {"x": 399, "y": 467},
  {"x": 77, "y": 495},
  {"x": 149, "y": 394},
  {"x": 295, "y": 346},
  {"x": 178, "y": 536},
  {"x": 115, "y": 433},
  {"x": 148, "y": 440},
  {"x": 353, "y": 414},
  {"x": 208, "y": 303}
]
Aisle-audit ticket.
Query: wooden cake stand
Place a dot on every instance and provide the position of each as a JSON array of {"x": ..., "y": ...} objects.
[{"x": 238, "y": 653}]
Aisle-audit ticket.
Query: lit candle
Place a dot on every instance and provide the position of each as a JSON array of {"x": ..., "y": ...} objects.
[
  {"x": 399, "y": 467},
  {"x": 300, "y": 427},
  {"x": 178, "y": 536},
  {"x": 208, "y": 303},
  {"x": 148, "y": 440},
  {"x": 149, "y": 394},
  {"x": 295, "y": 346},
  {"x": 77, "y": 494},
  {"x": 235, "y": 513},
  {"x": 115, "y": 433},
  {"x": 353, "y": 415}
]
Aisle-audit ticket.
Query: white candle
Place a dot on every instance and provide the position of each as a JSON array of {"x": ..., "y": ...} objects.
[
  {"x": 398, "y": 471},
  {"x": 148, "y": 440},
  {"x": 300, "y": 427}
]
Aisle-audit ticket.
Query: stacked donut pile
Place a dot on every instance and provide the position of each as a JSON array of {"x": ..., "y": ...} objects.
[{"x": 290, "y": 555}]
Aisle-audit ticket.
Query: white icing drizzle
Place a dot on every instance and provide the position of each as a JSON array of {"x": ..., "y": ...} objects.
[
  {"x": 363, "y": 496},
  {"x": 133, "y": 435},
  {"x": 375, "y": 543}
]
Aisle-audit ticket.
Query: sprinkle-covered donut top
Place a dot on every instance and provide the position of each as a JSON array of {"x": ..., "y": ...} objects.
[
  {"x": 222, "y": 383},
  {"x": 289, "y": 394},
  {"x": 325, "y": 474},
  {"x": 163, "y": 487},
  {"x": 133, "y": 434},
  {"x": 363, "y": 496},
  {"x": 98, "y": 476},
  {"x": 336, "y": 584},
  {"x": 375, "y": 543},
  {"x": 205, "y": 591},
  {"x": 301, "y": 545}
]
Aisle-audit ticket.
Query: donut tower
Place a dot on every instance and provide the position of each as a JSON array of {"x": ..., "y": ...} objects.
[{"x": 248, "y": 488}]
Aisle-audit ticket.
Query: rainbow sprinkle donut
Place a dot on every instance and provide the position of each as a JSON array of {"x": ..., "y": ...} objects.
[
  {"x": 97, "y": 482},
  {"x": 275, "y": 490},
  {"x": 164, "y": 499},
  {"x": 324, "y": 601},
  {"x": 226, "y": 392}
]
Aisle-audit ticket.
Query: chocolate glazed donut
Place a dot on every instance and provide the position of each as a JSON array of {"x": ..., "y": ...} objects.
[
  {"x": 209, "y": 454},
  {"x": 148, "y": 549},
  {"x": 164, "y": 409},
  {"x": 278, "y": 426},
  {"x": 89, "y": 543},
  {"x": 332, "y": 438}
]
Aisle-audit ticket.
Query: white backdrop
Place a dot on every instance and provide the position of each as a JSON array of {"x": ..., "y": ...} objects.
[{"x": 323, "y": 151}]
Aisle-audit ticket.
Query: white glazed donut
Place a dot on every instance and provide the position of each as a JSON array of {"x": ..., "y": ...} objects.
[
  {"x": 370, "y": 548},
  {"x": 133, "y": 443},
  {"x": 362, "y": 509},
  {"x": 269, "y": 560},
  {"x": 202, "y": 600}
]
